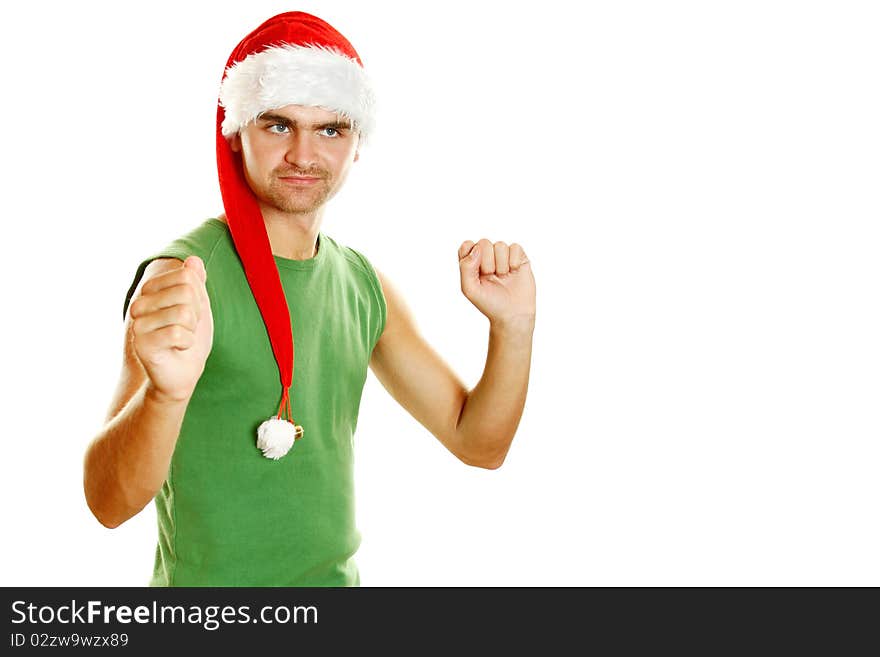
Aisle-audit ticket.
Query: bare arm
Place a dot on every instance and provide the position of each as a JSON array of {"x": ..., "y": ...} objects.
[
  {"x": 127, "y": 462},
  {"x": 476, "y": 425},
  {"x": 493, "y": 409}
]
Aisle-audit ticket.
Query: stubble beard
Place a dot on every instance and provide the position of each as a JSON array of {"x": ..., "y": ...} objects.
[{"x": 298, "y": 200}]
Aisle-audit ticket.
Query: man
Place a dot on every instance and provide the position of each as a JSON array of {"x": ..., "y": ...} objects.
[{"x": 251, "y": 491}]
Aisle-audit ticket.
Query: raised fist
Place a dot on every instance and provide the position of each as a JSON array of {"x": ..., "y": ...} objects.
[
  {"x": 498, "y": 280},
  {"x": 172, "y": 329}
]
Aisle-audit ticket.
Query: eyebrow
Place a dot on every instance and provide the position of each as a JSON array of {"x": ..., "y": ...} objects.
[{"x": 270, "y": 117}]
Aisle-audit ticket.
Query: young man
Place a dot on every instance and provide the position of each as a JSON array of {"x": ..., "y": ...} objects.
[{"x": 250, "y": 490}]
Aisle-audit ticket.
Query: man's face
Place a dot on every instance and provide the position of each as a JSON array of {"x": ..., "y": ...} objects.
[{"x": 296, "y": 158}]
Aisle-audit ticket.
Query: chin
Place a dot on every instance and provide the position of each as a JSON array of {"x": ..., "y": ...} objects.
[
  {"x": 300, "y": 208},
  {"x": 298, "y": 204}
]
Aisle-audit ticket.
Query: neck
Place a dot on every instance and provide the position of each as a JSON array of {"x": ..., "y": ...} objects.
[{"x": 291, "y": 235}]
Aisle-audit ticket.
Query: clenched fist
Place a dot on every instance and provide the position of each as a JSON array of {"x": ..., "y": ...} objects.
[
  {"x": 498, "y": 280},
  {"x": 173, "y": 329}
]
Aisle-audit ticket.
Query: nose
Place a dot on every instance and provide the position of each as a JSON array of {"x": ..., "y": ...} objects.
[{"x": 301, "y": 152}]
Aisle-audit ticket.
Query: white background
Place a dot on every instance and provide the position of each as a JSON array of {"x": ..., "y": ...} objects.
[{"x": 695, "y": 183}]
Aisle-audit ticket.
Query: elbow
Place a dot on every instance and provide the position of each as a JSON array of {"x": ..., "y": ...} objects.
[
  {"x": 98, "y": 505},
  {"x": 494, "y": 463},
  {"x": 96, "y": 502},
  {"x": 110, "y": 510},
  {"x": 107, "y": 519},
  {"x": 109, "y": 524},
  {"x": 486, "y": 459},
  {"x": 485, "y": 464}
]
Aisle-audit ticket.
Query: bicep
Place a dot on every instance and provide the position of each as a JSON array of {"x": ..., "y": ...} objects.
[
  {"x": 133, "y": 375},
  {"x": 414, "y": 374}
]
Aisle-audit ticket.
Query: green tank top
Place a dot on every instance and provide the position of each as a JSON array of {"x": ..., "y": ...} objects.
[{"x": 228, "y": 516}]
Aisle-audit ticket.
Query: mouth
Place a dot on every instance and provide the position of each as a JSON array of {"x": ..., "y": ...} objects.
[{"x": 299, "y": 179}]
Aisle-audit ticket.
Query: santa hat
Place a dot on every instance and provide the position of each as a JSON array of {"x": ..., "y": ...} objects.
[{"x": 291, "y": 59}]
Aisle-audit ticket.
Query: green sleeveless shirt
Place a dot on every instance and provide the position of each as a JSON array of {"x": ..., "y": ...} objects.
[{"x": 228, "y": 516}]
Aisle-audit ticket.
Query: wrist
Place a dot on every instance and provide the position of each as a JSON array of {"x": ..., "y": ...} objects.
[
  {"x": 157, "y": 397},
  {"x": 517, "y": 325}
]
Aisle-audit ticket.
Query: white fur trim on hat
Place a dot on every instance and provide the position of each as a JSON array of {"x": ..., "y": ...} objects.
[{"x": 314, "y": 76}]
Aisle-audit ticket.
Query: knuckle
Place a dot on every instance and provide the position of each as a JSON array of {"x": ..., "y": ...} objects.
[
  {"x": 176, "y": 332},
  {"x": 198, "y": 288},
  {"x": 183, "y": 315}
]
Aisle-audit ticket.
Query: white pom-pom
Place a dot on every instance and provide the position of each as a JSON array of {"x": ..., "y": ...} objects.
[{"x": 275, "y": 437}]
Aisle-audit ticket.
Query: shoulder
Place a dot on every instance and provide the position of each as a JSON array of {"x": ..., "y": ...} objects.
[
  {"x": 203, "y": 240},
  {"x": 353, "y": 258},
  {"x": 370, "y": 281}
]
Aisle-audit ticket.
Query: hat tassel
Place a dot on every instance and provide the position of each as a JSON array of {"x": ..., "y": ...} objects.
[{"x": 276, "y": 435}]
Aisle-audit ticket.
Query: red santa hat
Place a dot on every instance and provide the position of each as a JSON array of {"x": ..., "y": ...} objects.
[{"x": 292, "y": 59}]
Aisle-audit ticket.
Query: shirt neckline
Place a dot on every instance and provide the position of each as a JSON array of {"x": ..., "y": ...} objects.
[{"x": 287, "y": 263}]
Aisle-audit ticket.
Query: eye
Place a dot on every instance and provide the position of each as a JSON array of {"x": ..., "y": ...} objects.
[
  {"x": 330, "y": 132},
  {"x": 282, "y": 128}
]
